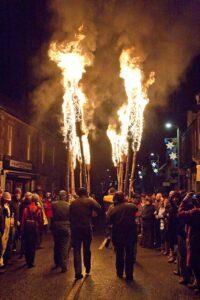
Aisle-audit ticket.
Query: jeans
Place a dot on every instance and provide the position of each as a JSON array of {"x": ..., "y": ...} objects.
[{"x": 76, "y": 244}]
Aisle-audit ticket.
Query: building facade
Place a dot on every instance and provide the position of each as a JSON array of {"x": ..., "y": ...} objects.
[
  {"x": 30, "y": 156},
  {"x": 190, "y": 150}
]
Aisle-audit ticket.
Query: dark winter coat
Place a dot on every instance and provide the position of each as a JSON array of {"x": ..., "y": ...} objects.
[
  {"x": 192, "y": 219},
  {"x": 14, "y": 209},
  {"x": 147, "y": 215},
  {"x": 122, "y": 217},
  {"x": 60, "y": 221},
  {"x": 81, "y": 211}
]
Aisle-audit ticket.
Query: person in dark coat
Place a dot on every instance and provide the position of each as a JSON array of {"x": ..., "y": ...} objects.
[
  {"x": 191, "y": 217},
  {"x": 171, "y": 212},
  {"x": 15, "y": 228},
  {"x": 148, "y": 219},
  {"x": 124, "y": 234},
  {"x": 61, "y": 231},
  {"x": 81, "y": 211},
  {"x": 32, "y": 221},
  {"x": 182, "y": 269}
]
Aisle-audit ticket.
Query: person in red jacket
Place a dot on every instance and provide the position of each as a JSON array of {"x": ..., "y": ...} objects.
[{"x": 32, "y": 221}]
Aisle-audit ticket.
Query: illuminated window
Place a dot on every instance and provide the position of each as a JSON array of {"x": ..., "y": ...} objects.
[
  {"x": 28, "y": 147},
  {"x": 43, "y": 151},
  {"x": 53, "y": 156},
  {"x": 10, "y": 138}
]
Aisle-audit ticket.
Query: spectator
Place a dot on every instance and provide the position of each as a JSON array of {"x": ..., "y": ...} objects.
[
  {"x": 48, "y": 209},
  {"x": 5, "y": 202},
  {"x": 61, "y": 231},
  {"x": 124, "y": 234},
  {"x": 32, "y": 221},
  {"x": 81, "y": 210},
  {"x": 148, "y": 218}
]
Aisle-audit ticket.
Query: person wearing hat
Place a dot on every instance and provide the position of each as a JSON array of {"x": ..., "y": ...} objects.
[
  {"x": 124, "y": 234},
  {"x": 5, "y": 203},
  {"x": 61, "y": 231},
  {"x": 81, "y": 211}
]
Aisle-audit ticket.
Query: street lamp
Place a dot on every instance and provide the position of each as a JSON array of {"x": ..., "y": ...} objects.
[{"x": 169, "y": 125}]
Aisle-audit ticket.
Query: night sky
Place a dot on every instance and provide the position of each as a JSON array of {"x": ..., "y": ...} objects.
[{"x": 24, "y": 28}]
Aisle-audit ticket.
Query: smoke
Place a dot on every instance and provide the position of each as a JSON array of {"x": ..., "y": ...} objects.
[{"x": 165, "y": 33}]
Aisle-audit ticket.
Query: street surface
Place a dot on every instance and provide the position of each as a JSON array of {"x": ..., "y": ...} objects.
[{"x": 153, "y": 278}]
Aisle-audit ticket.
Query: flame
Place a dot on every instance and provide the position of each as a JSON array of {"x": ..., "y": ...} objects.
[
  {"x": 70, "y": 58},
  {"x": 136, "y": 91},
  {"x": 131, "y": 114},
  {"x": 115, "y": 141}
]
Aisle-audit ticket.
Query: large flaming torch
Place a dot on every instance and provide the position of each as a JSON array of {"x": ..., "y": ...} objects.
[
  {"x": 70, "y": 59},
  {"x": 136, "y": 92}
]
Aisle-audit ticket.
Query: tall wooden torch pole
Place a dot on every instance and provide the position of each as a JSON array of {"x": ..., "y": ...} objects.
[
  {"x": 67, "y": 168},
  {"x": 79, "y": 134},
  {"x": 131, "y": 185},
  {"x": 128, "y": 161},
  {"x": 88, "y": 178},
  {"x": 72, "y": 177},
  {"x": 121, "y": 175},
  {"x": 80, "y": 174}
]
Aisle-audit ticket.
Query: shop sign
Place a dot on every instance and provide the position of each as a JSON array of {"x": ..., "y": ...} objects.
[{"x": 20, "y": 165}]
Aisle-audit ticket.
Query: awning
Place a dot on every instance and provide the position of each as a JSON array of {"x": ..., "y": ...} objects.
[{"x": 20, "y": 175}]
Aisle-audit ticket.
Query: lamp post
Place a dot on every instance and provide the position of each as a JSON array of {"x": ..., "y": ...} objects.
[{"x": 169, "y": 126}]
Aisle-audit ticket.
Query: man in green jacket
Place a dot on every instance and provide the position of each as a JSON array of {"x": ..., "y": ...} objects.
[
  {"x": 61, "y": 231},
  {"x": 81, "y": 211}
]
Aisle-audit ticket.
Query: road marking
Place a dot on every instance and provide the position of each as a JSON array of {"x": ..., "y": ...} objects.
[
  {"x": 103, "y": 244},
  {"x": 75, "y": 288}
]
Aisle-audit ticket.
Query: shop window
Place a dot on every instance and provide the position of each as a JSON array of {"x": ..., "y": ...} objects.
[
  {"x": 53, "y": 156},
  {"x": 10, "y": 138},
  {"x": 28, "y": 147}
]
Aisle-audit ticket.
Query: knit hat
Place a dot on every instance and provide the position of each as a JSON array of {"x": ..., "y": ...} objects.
[{"x": 7, "y": 196}]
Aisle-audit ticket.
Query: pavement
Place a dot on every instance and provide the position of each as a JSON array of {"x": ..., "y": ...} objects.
[{"x": 154, "y": 279}]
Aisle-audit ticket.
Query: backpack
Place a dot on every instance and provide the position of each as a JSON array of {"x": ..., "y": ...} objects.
[{"x": 30, "y": 225}]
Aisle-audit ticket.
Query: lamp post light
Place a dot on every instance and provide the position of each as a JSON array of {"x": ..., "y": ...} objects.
[{"x": 169, "y": 125}]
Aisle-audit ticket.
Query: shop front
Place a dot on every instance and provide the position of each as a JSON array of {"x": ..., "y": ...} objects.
[{"x": 17, "y": 174}]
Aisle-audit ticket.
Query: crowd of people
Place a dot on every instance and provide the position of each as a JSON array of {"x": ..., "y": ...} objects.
[
  {"x": 170, "y": 224},
  {"x": 25, "y": 219}
]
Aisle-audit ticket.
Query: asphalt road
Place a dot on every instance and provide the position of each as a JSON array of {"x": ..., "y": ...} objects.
[{"x": 154, "y": 279}]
